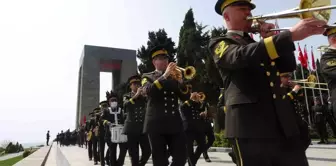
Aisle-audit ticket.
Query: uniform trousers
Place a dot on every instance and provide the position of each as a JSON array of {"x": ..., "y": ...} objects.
[
  {"x": 102, "y": 150},
  {"x": 199, "y": 137},
  {"x": 95, "y": 150},
  {"x": 113, "y": 153},
  {"x": 177, "y": 147},
  {"x": 133, "y": 141},
  {"x": 90, "y": 149},
  {"x": 269, "y": 152},
  {"x": 210, "y": 137}
]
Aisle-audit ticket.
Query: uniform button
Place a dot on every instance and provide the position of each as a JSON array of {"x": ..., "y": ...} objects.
[
  {"x": 268, "y": 73},
  {"x": 173, "y": 105},
  {"x": 172, "y": 93},
  {"x": 165, "y": 98},
  {"x": 271, "y": 84},
  {"x": 278, "y": 73},
  {"x": 261, "y": 64},
  {"x": 165, "y": 104},
  {"x": 274, "y": 96},
  {"x": 164, "y": 92},
  {"x": 173, "y": 112},
  {"x": 284, "y": 96},
  {"x": 165, "y": 111},
  {"x": 173, "y": 99},
  {"x": 272, "y": 63}
]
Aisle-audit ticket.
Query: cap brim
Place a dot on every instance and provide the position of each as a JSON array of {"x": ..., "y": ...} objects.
[
  {"x": 163, "y": 55},
  {"x": 239, "y": 3}
]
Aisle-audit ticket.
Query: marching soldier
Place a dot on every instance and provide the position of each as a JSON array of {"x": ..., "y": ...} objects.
[
  {"x": 320, "y": 120},
  {"x": 294, "y": 95},
  {"x": 193, "y": 114},
  {"x": 328, "y": 70},
  {"x": 103, "y": 107},
  {"x": 163, "y": 122},
  {"x": 95, "y": 135},
  {"x": 208, "y": 129},
  {"x": 114, "y": 117},
  {"x": 135, "y": 107},
  {"x": 257, "y": 116}
]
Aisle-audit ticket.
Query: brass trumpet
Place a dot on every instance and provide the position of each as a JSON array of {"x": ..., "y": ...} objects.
[
  {"x": 188, "y": 72},
  {"x": 201, "y": 96},
  {"x": 319, "y": 9}
]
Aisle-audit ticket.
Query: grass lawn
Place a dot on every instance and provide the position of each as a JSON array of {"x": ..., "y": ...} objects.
[{"x": 11, "y": 161}]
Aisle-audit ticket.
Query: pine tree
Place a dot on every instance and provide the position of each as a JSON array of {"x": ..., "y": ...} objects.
[{"x": 159, "y": 37}]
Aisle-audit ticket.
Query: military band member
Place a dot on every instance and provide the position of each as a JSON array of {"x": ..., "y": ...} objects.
[
  {"x": 208, "y": 129},
  {"x": 112, "y": 117},
  {"x": 102, "y": 135},
  {"x": 135, "y": 107},
  {"x": 193, "y": 114},
  {"x": 328, "y": 70},
  {"x": 163, "y": 122},
  {"x": 257, "y": 116},
  {"x": 320, "y": 120},
  {"x": 294, "y": 95},
  {"x": 95, "y": 135}
]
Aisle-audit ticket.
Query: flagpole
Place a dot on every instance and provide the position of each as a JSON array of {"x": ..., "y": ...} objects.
[
  {"x": 305, "y": 91},
  {"x": 318, "y": 79}
]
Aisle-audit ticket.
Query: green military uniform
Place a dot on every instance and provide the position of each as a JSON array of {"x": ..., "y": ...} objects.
[
  {"x": 194, "y": 128},
  {"x": 136, "y": 109},
  {"x": 328, "y": 70},
  {"x": 163, "y": 122},
  {"x": 257, "y": 114},
  {"x": 320, "y": 112}
]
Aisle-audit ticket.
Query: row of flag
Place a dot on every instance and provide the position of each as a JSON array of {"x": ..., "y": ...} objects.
[{"x": 303, "y": 58}]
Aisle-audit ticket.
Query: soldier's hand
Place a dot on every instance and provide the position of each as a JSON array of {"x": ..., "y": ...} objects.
[
  {"x": 307, "y": 27},
  {"x": 265, "y": 30},
  {"x": 170, "y": 68},
  {"x": 297, "y": 88}
]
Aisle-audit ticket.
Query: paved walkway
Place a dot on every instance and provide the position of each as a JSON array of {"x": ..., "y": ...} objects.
[{"x": 318, "y": 155}]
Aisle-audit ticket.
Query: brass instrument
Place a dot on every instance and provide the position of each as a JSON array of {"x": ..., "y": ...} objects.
[
  {"x": 319, "y": 9},
  {"x": 325, "y": 48},
  {"x": 89, "y": 136},
  {"x": 188, "y": 72},
  {"x": 201, "y": 96},
  {"x": 310, "y": 82}
]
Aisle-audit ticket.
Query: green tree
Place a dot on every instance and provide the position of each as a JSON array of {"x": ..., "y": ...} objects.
[
  {"x": 120, "y": 90},
  {"x": 159, "y": 37}
]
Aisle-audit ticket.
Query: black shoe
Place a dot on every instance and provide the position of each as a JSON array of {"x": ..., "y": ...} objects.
[
  {"x": 95, "y": 163},
  {"x": 233, "y": 157},
  {"x": 321, "y": 142},
  {"x": 206, "y": 157}
]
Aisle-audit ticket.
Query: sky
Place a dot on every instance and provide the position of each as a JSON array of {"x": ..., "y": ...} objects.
[{"x": 41, "y": 42}]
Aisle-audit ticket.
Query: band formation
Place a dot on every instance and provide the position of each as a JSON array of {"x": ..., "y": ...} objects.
[{"x": 266, "y": 120}]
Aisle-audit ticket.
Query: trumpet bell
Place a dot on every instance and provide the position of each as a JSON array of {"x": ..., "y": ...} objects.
[
  {"x": 202, "y": 96},
  {"x": 320, "y": 14}
]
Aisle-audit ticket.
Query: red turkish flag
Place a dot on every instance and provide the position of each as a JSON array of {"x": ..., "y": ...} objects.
[{"x": 301, "y": 58}]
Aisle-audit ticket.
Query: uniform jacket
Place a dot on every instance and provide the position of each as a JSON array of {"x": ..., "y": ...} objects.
[
  {"x": 192, "y": 120},
  {"x": 328, "y": 70},
  {"x": 253, "y": 96},
  {"x": 136, "y": 110},
  {"x": 162, "y": 112}
]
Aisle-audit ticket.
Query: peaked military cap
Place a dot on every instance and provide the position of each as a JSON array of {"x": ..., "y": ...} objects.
[
  {"x": 158, "y": 50},
  {"x": 222, "y": 4},
  {"x": 288, "y": 74},
  {"x": 103, "y": 102},
  {"x": 329, "y": 31},
  {"x": 134, "y": 78}
]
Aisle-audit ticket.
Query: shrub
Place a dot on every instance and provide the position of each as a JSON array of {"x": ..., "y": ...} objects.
[
  {"x": 26, "y": 153},
  {"x": 220, "y": 141}
]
